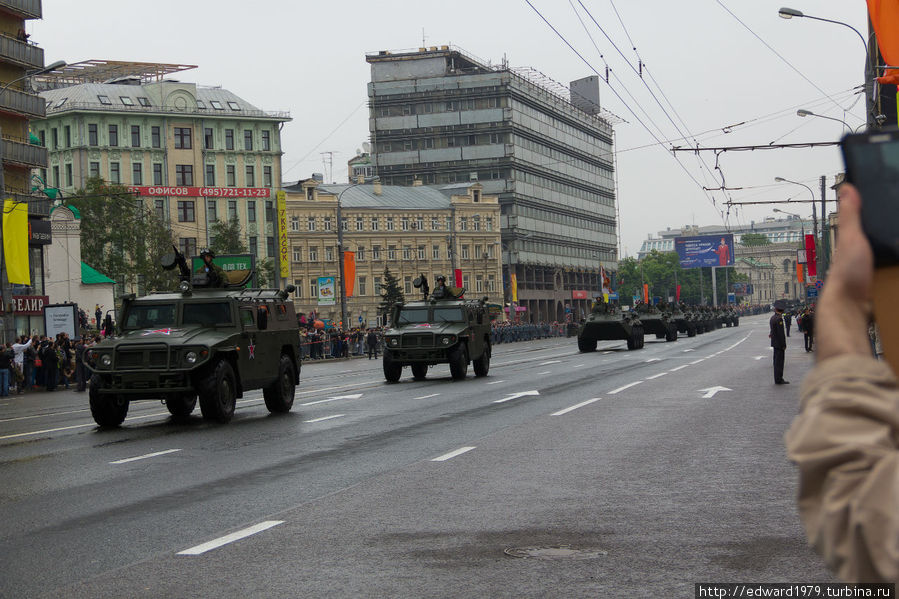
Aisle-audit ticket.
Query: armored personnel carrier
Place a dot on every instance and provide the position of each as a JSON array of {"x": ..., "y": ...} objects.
[
  {"x": 441, "y": 328},
  {"x": 211, "y": 342},
  {"x": 682, "y": 320},
  {"x": 730, "y": 317},
  {"x": 657, "y": 322},
  {"x": 607, "y": 322}
]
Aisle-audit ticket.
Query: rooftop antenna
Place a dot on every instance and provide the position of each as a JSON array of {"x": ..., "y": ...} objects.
[{"x": 423, "y": 38}]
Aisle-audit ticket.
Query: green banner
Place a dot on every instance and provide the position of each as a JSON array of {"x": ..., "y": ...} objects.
[{"x": 236, "y": 266}]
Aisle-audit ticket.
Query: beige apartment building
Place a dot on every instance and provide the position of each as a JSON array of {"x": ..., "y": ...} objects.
[{"x": 410, "y": 230}]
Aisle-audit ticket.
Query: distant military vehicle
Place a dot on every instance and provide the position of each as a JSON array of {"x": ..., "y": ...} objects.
[
  {"x": 683, "y": 320},
  {"x": 441, "y": 328},
  {"x": 607, "y": 322},
  {"x": 657, "y": 322},
  {"x": 730, "y": 317},
  {"x": 215, "y": 343}
]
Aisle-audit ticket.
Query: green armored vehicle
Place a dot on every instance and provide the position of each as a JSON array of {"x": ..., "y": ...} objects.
[
  {"x": 211, "y": 342},
  {"x": 657, "y": 322},
  {"x": 683, "y": 320},
  {"x": 441, "y": 328},
  {"x": 607, "y": 322}
]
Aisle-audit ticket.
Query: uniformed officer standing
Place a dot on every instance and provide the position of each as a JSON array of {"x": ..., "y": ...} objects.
[{"x": 778, "y": 337}]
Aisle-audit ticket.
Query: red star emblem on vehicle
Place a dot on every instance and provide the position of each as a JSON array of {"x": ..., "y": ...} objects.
[
  {"x": 425, "y": 325},
  {"x": 252, "y": 349},
  {"x": 166, "y": 331}
]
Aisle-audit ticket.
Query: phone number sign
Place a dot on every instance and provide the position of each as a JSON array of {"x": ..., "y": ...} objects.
[{"x": 202, "y": 192}]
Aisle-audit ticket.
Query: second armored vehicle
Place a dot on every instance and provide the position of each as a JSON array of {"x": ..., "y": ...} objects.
[
  {"x": 656, "y": 322},
  {"x": 608, "y": 322}
]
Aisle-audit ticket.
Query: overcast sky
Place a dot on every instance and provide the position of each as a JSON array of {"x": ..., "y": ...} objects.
[{"x": 718, "y": 63}]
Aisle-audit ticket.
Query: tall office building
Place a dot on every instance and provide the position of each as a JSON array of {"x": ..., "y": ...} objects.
[{"x": 441, "y": 116}]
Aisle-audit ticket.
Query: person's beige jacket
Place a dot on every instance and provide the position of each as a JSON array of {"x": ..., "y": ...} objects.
[{"x": 845, "y": 442}]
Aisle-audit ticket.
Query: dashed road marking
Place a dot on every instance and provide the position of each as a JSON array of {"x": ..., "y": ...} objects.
[
  {"x": 628, "y": 386},
  {"x": 234, "y": 536},
  {"x": 678, "y": 368},
  {"x": 576, "y": 406},
  {"x": 323, "y": 418},
  {"x": 427, "y": 396},
  {"x": 145, "y": 456},
  {"x": 655, "y": 376},
  {"x": 452, "y": 454}
]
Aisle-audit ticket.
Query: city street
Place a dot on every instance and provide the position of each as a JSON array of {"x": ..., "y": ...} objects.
[{"x": 609, "y": 474}]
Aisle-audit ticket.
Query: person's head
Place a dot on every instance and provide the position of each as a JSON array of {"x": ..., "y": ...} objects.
[
  {"x": 441, "y": 280},
  {"x": 207, "y": 255}
]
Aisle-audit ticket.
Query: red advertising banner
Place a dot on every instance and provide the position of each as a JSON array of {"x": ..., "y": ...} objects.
[
  {"x": 578, "y": 294},
  {"x": 810, "y": 255},
  {"x": 202, "y": 192}
]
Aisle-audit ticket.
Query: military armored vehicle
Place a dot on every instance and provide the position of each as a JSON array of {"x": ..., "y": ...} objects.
[
  {"x": 441, "y": 328},
  {"x": 683, "y": 320},
  {"x": 657, "y": 322},
  {"x": 729, "y": 316},
  {"x": 607, "y": 322},
  {"x": 215, "y": 343}
]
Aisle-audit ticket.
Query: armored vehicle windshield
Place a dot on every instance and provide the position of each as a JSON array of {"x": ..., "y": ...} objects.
[{"x": 147, "y": 315}]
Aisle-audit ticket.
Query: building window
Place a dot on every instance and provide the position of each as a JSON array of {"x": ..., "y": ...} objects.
[
  {"x": 251, "y": 211},
  {"x": 184, "y": 175},
  {"x": 211, "y": 211},
  {"x": 390, "y": 225},
  {"x": 465, "y": 253},
  {"x": 230, "y": 176},
  {"x": 297, "y": 255},
  {"x": 201, "y": 105},
  {"x": 407, "y": 285},
  {"x": 407, "y": 252},
  {"x": 420, "y": 223},
  {"x": 421, "y": 252},
  {"x": 360, "y": 223},
  {"x": 232, "y": 210},
  {"x": 329, "y": 254},
  {"x": 69, "y": 181},
  {"x": 137, "y": 174},
  {"x": 269, "y": 211},
  {"x": 313, "y": 254},
  {"x": 186, "y": 211},
  {"x": 266, "y": 141},
  {"x": 113, "y": 136},
  {"x": 248, "y": 139},
  {"x": 229, "y": 139},
  {"x": 343, "y": 223},
  {"x": 294, "y": 223},
  {"x": 475, "y": 223},
  {"x": 310, "y": 223},
  {"x": 374, "y": 223},
  {"x": 114, "y": 175},
  {"x": 360, "y": 253},
  {"x": 327, "y": 221},
  {"x": 160, "y": 209},
  {"x": 207, "y": 138},
  {"x": 391, "y": 252},
  {"x": 67, "y": 131},
  {"x": 157, "y": 173},
  {"x": 104, "y": 99},
  {"x": 266, "y": 176},
  {"x": 56, "y": 179},
  {"x": 786, "y": 288},
  {"x": 233, "y": 106},
  {"x": 210, "y": 175},
  {"x": 54, "y": 135},
  {"x": 488, "y": 223},
  {"x": 92, "y": 139},
  {"x": 94, "y": 170},
  {"x": 435, "y": 223},
  {"x": 188, "y": 246},
  {"x": 253, "y": 242},
  {"x": 313, "y": 287},
  {"x": 404, "y": 223},
  {"x": 182, "y": 138},
  {"x": 216, "y": 104},
  {"x": 463, "y": 223},
  {"x": 377, "y": 285},
  {"x": 155, "y": 137},
  {"x": 310, "y": 194},
  {"x": 362, "y": 289},
  {"x": 143, "y": 101},
  {"x": 251, "y": 176}
]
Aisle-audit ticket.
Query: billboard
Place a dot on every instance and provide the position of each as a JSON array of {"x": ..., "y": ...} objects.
[
  {"x": 705, "y": 250},
  {"x": 741, "y": 288},
  {"x": 327, "y": 291},
  {"x": 236, "y": 266},
  {"x": 61, "y": 318}
]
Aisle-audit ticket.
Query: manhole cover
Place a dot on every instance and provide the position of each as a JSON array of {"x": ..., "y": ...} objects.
[{"x": 557, "y": 552}]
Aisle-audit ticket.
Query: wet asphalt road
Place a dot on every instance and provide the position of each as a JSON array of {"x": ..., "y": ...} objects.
[{"x": 619, "y": 473}]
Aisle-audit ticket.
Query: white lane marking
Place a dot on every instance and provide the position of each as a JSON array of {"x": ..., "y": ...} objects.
[
  {"x": 628, "y": 386},
  {"x": 348, "y": 386},
  {"x": 312, "y": 403},
  {"x": 495, "y": 382},
  {"x": 576, "y": 406},
  {"x": 578, "y": 365},
  {"x": 545, "y": 372},
  {"x": 427, "y": 396},
  {"x": 606, "y": 352},
  {"x": 452, "y": 454},
  {"x": 323, "y": 418},
  {"x": 686, "y": 350},
  {"x": 68, "y": 428},
  {"x": 550, "y": 362},
  {"x": 144, "y": 457},
  {"x": 42, "y": 415},
  {"x": 711, "y": 391},
  {"x": 655, "y": 376},
  {"x": 698, "y": 361},
  {"x": 517, "y": 395},
  {"x": 234, "y": 536},
  {"x": 758, "y": 357},
  {"x": 653, "y": 360},
  {"x": 678, "y": 368}
]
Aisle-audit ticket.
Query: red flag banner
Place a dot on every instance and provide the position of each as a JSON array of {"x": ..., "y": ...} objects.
[
  {"x": 799, "y": 276},
  {"x": 645, "y": 293},
  {"x": 810, "y": 255},
  {"x": 349, "y": 272},
  {"x": 677, "y": 294},
  {"x": 457, "y": 274}
]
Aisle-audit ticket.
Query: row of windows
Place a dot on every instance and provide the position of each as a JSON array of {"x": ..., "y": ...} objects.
[
  {"x": 482, "y": 284},
  {"x": 444, "y": 106},
  {"x": 183, "y": 137},
  {"x": 439, "y": 178},
  {"x": 188, "y": 246},
  {"x": 184, "y": 174},
  {"x": 537, "y": 120},
  {"x": 144, "y": 101},
  {"x": 554, "y": 249},
  {"x": 564, "y": 188},
  {"x": 187, "y": 210},
  {"x": 406, "y": 223},
  {"x": 448, "y": 141},
  {"x": 570, "y": 220},
  {"x": 391, "y": 252}
]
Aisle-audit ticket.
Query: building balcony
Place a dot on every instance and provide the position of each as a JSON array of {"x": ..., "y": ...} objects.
[
  {"x": 29, "y": 9},
  {"x": 16, "y": 102},
  {"x": 21, "y": 53},
  {"x": 19, "y": 152}
]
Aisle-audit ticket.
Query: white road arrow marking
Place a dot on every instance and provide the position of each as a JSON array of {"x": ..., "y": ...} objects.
[
  {"x": 312, "y": 403},
  {"x": 711, "y": 391},
  {"x": 517, "y": 395}
]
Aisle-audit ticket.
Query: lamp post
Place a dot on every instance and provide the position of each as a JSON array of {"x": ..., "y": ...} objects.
[
  {"x": 9, "y": 328},
  {"x": 340, "y": 266},
  {"x": 814, "y": 214}
]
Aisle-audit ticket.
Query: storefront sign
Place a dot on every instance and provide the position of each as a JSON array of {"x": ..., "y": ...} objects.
[
  {"x": 202, "y": 192},
  {"x": 578, "y": 294},
  {"x": 283, "y": 259},
  {"x": 29, "y": 304},
  {"x": 39, "y": 232}
]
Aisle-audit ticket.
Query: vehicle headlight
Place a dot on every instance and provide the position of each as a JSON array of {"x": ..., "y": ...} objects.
[
  {"x": 446, "y": 340},
  {"x": 394, "y": 342},
  {"x": 106, "y": 360},
  {"x": 190, "y": 357}
]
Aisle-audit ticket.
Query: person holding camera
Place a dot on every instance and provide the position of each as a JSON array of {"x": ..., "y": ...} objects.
[{"x": 845, "y": 440}]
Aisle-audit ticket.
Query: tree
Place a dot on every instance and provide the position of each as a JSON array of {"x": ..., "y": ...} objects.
[
  {"x": 754, "y": 239},
  {"x": 226, "y": 237},
  {"x": 122, "y": 238},
  {"x": 390, "y": 293},
  {"x": 662, "y": 272},
  {"x": 265, "y": 272}
]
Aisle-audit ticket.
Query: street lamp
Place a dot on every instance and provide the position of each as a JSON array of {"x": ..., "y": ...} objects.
[
  {"x": 803, "y": 113},
  {"x": 340, "y": 265},
  {"x": 789, "y": 13}
]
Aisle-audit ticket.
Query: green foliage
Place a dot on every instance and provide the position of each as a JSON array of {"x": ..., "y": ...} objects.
[
  {"x": 662, "y": 272},
  {"x": 265, "y": 272},
  {"x": 391, "y": 293},
  {"x": 754, "y": 239},
  {"x": 121, "y": 237},
  {"x": 226, "y": 237}
]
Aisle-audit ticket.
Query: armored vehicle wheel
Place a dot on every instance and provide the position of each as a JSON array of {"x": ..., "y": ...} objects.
[
  {"x": 691, "y": 331},
  {"x": 107, "y": 410},
  {"x": 586, "y": 345},
  {"x": 672, "y": 334},
  {"x": 181, "y": 406},
  {"x": 279, "y": 395},
  {"x": 736, "y": 322},
  {"x": 641, "y": 340},
  {"x": 218, "y": 394},
  {"x": 392, "y": 370},
  {"x": 419, "y": 371},
  {"x": 458, "y": 361},
  {"x": 632, "y": 340},
  {"x": 482, "y": 364}
]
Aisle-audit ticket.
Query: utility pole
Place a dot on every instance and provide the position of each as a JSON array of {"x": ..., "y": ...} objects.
[{"x": 825, "y": 236}]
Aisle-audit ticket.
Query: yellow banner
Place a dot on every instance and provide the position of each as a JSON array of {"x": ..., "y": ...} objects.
[
  {"x": 283, "y": 255},
  {"x": 514, "y": 283},
  {"x": 15, "y": 242}
]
